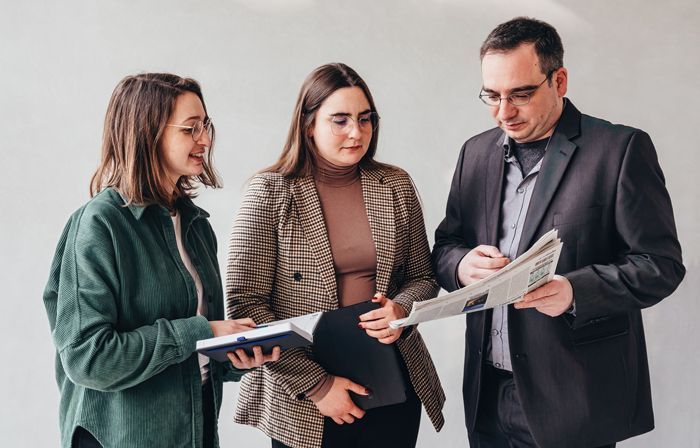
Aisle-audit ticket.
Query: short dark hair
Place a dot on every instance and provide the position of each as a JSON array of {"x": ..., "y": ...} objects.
[{"x": 524, "y": 30}]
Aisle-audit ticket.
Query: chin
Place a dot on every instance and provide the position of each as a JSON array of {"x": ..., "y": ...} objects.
[
  {"x": 347, "y": 161},
  {"x": 518, "y": 136}
]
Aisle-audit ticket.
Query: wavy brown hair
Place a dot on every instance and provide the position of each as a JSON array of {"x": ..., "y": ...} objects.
[
  {"x": 299, "y": 153},
  {"x": 131, "y": 162}
]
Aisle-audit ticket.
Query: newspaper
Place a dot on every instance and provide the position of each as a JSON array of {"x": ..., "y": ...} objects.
[{"x": 529, "y": 271}]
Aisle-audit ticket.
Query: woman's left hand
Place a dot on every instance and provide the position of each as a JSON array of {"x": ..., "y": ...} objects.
[
  {"x": 241, "y": 360},
  {"x": 376, "y": 322}
]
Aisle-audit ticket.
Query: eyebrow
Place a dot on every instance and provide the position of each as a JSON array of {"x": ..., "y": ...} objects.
[
  {"x": 345, "y": 114},
  {"x": 193, "y": 117},
  {"x": 512, "y": 91}
]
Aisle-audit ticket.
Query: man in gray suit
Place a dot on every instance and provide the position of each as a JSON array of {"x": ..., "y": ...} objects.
[{"x": 567, "y": 367}]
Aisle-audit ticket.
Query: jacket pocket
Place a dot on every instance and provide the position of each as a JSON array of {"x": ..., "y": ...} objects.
[{"x": 601, "y": 329}]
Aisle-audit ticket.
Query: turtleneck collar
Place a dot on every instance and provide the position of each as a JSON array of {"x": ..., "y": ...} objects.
[{"x": 334, "y": 175}]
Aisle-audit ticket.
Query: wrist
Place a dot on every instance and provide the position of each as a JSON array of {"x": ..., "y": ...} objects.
[{"x": 321, "y": 389}]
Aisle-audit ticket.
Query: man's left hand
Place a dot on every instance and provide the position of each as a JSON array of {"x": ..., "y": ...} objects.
[{"x": 552, "y": 299}]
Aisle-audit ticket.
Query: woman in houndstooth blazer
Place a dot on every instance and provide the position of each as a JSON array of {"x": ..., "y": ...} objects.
[{"x": 301, "y": 244}]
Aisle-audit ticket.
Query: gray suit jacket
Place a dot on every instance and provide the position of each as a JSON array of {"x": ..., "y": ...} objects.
[{"x": 584, "y": 380}]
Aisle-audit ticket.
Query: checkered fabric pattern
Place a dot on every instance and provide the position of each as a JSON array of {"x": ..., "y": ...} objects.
[{"x": 280, "y": 265}]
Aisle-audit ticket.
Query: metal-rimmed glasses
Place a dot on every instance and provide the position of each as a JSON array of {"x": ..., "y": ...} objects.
[
  {"x": 342, "y": 124},
  {"x": 520, "y": 98},
  {"x": 197, "y": 128}
]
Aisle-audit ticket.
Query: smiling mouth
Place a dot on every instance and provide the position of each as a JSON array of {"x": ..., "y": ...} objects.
[
  {"x": 353, "y": 148},
  {"x": 197, "y": 155}
]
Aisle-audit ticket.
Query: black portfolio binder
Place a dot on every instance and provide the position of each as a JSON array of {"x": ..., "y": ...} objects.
[{"x": 344, "y": 349}]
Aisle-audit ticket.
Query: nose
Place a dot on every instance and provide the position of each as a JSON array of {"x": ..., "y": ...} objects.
[
  {"x": 355, "y": 131},
  {"x": 506, "y": 111},
  {"x": 204, "y": 139}
]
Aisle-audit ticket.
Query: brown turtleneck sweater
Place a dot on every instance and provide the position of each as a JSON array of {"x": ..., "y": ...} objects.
[
  {"x": 350, "y": 237},
  {"x": 349, "y": 234}
]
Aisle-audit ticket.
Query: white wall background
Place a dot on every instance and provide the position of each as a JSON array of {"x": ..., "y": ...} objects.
[{"x": 629, "y": 62}]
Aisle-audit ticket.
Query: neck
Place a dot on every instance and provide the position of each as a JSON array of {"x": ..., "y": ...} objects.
[
  {"x": 330, "y": 174},
  {"x": 171, "y": 187}
]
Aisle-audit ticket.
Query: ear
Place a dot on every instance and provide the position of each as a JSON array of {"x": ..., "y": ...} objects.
[{"x": 561, "y": 80}]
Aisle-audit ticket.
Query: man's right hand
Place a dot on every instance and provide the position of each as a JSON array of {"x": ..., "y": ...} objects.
[
  {"x": 479, "y": 263},
  {"x": 337, "y": 403}
]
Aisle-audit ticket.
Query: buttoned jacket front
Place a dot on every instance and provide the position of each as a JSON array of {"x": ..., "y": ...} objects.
[{"x": 280, "y": 266}]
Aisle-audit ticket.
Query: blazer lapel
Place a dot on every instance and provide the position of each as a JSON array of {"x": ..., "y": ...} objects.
[
  {"x": 493, "y": 186},
  {"x": 556, "y": 160},
  {"x": 379, "y": 202},
  {"x": 314, "y": 228}
]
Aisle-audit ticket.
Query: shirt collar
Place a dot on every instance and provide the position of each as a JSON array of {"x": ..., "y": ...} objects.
[
  {"x": 189, "y": 211},
  {"x": 507, "y": 148}
]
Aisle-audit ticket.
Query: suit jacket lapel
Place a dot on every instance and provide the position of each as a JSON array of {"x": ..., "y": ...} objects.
[
  {"x": 556, "y": 160},
  {"x": 314, "y": 228},
  {"x": 493, "y": 180},
  {"x": 379, "y": 202}
]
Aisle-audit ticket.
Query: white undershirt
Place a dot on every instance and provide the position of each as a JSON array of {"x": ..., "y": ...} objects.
[{"x": 201, "y": 304}]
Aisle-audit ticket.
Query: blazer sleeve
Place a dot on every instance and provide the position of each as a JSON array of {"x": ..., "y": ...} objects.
[
  {"x": 419, "y": 280},
  {"x": 649, "y": 267},
  {"x": 450, "y": 246},
  {"x": 250, "y": 277}
]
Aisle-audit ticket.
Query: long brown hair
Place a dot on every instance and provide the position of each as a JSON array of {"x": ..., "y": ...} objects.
[
  {"x": 299, "y": 154},
  {"x": 138, "y": 112}
]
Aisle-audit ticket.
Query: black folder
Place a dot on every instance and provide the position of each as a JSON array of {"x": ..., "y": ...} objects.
[{"x": 343, "y": 349}]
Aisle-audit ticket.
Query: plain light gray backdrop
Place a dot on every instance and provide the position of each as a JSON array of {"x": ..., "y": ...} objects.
[{"x": 629, "y": 62}]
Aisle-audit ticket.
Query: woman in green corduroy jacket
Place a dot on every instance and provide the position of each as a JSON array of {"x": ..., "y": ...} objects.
[{"x": 135, "y": 281}]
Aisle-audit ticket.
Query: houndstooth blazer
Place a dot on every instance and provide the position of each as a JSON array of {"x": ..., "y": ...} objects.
[{"x": 280, "y": 266}]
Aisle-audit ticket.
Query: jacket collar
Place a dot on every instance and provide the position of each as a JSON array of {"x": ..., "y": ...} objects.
[
  {"x": 189, "y": 211},
  {"x": 554, "y": 164}
]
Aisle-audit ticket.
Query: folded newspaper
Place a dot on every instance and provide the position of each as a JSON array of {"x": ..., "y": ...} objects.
[{"x": 529, "y": 271}]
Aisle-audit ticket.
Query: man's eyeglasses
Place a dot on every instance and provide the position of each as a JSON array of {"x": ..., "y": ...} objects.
[
  {"x": 343, "y": 124},
  {"x": 516, "y": 99},
  {"x": 197, "y": 129}
]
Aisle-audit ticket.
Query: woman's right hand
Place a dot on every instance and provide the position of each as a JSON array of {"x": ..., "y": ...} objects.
[
  {"x": 337, "y": 403},
  {"x": 226, "y": 327},
  {"x": 239, "y": 358}
]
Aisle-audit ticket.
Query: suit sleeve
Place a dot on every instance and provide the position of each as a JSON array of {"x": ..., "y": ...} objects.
[
  {"x": 419, "y": 281},
  {"x": 450, "y": 246},
  {"x": 649, "y": 267},
  {"x": 250, "y": 277}
]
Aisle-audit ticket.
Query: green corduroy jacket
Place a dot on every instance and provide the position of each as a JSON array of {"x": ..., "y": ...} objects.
[{"x": 122, "y": 309}]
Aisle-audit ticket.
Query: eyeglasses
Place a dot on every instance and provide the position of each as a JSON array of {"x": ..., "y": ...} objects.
[
  {"x": 198, "y": 128},
  {"x": 516, "y": 99},
  {"x": 343, "y": 124}
]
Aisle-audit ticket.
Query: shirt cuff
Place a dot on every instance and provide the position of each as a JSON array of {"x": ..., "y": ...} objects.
[{"x": 320, "y": 390}]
